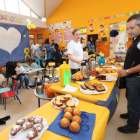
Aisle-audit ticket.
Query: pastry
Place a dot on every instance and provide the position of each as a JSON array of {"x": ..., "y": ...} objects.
[
  {"x": 68, "y": 115},
  {"x": 21, "y": 121},
  {"x": 81, "y": 78},
  {"x": 15, "y": 129},
  {"x": 85, "y": 76},
  {"x": 63, "y": 106},
  {"x": 38, "y": 120},
  {"x": 27, "y": 125},
  {"x": 77, "y": 78},
  {"x": 38, "y": 127},
  {"x": 68, "y": 97},
  {"x": 58, "y": 98},
  {"x": 58, "y": 103},
  {"x": 74, "y": 127},
  {"x": 76, "y": 112},
  {"x": 70, "y": 103},
  {"x": 64, "y": 123},
  {"x": 68, "y": 109},
  {"x": 76, "y": 118},
  {"x": 83, "y": 87},
  {"x": 30, "y": 118},
  {"x": 86, "y": 84},
  {"x": 95, "y": 84},
  {"x": 32, "y": 134},
  {"x": 100, "y": 88},
  {"x": 63, "y": 100},
  {"x": 74, "y": 77},
  {"x": 91, "y": 87}
]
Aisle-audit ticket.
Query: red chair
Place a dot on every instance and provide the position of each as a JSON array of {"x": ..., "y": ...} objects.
[{"x": 11, "y": 94}]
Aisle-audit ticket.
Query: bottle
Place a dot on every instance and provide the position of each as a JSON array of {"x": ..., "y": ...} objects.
[
  {"x": 65, "y": 74},
  {"x": 102, "y": 61}
]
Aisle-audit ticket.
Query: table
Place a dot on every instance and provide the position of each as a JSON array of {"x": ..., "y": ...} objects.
[
  {"x": 109, "y": 99},
  {"x": 50, "y": 113},
  {"x": 41, "y": 96},
  {"x": 33, "y": 71}
]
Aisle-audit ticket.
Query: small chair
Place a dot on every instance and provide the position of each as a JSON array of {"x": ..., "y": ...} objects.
[
  {"x": 51, "y": 66},
  {"x": 11, "y": 94}
]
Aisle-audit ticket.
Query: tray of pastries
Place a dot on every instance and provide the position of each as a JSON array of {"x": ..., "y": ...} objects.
[
  {"x": 106, "y": 71},
  {"x": 93, "y": 88},
  {"x": 63, "y": 101},
  {"x": 30, "y": 128},
  {"x": 81, "y": 78}
]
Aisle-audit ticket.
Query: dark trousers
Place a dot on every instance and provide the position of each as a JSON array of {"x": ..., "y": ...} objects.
[
  {"x": 133, "y": 99},
  {"x": 73, "y": 71}
]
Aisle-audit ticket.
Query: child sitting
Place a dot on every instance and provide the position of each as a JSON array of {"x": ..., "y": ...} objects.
[{"x": 21, "y": 75}]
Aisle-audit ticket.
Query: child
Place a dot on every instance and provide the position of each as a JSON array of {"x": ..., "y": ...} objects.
[{"x": 21, "y": 76}]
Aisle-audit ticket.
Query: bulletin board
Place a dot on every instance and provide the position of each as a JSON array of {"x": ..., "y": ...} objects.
[{"x": 14, "y": 43}]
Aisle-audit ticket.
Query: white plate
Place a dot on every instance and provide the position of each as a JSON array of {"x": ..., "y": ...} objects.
[
  {"x": 109, "y": 78},
  {"x": 88, "y": 91},
  {"x": 22, "y": 135},
  {"x": 73, "y": 98}
]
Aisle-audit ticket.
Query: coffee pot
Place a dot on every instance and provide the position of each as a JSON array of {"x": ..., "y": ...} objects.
[
  {"x": 45, "y": 79},
  {"x": 39, "y": 88},
  {"x": 83, "y": 69},
  {"x": 92, "y": 64}
]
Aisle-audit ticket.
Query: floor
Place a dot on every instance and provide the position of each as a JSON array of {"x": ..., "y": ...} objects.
[{"x": 30, "y": 103}]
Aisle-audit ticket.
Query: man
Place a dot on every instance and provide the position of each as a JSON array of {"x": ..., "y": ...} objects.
[
  {"x": 132, "y": 73},
  {"x": 33, "y": 47},
  {"x": 56, "y": 48}
]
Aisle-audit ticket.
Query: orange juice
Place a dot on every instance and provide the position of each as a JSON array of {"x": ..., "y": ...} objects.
[{"x": 65, "y": 74}]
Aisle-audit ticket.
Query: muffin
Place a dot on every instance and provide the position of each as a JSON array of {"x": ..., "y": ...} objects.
[
  {"x": 32, "y": 134},
  {"x": 64, "y": 123},
  {"x": 68, "y": 115},
  {"x": 68, "y": 109},
  {"x": 74, "y": 127},
  {"x": 76, "y": 112},
  {"x": 21, "y": 121},
  {"x": 76, "y": 118}
]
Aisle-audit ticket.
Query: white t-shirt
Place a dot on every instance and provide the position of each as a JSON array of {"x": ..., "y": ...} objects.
[
  {"x": 20, "y": 69},
  {"x": 77, "y": 52},
  {"x": 34, "y": 47},
  {"x": 85, "y": 55}
]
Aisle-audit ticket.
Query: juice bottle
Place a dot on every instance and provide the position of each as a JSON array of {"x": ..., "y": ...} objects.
[{"x": 65, "y": 74}]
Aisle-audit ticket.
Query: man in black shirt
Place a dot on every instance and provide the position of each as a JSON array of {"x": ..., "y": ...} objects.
[{"x": 132, "y": 73}]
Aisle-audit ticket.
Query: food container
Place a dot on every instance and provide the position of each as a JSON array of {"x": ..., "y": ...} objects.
[{"x": 49, "y": 93}]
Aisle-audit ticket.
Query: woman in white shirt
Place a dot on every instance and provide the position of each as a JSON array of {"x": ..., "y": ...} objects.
[{"x": 75, "y": 52}]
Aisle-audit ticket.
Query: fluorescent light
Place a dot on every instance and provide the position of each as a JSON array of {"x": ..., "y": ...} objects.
[{"x": 43, "y": 19}]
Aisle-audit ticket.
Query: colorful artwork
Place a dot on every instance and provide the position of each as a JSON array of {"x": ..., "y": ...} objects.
[
  {"x": 57, "y": 37},
  {"x": 67, "y": 35},
  {"x": 91, "y": 28}
]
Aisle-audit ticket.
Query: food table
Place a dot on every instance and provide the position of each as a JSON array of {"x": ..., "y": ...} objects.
[
  {"x": 109, "y": 99},
  {"x": 50, "y": 113}
]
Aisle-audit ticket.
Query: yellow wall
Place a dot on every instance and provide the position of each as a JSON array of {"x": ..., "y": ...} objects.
[{"x": 80, "y": 11}]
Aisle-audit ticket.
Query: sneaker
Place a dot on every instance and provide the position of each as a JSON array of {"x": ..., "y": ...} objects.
[
  {"x": 126, "y": 129},
  {"x": 28, "y": 87},
  {"x": 124, "y": 116},
  {"x": 19, "y": 91}
]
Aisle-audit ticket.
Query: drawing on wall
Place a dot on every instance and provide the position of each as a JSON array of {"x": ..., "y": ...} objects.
[
  {"x": 102, "y": 29},
  {"x": 57, "y": 37},
  {"x": 91, "y": 27},
  {"x": 67, "y": 35}
]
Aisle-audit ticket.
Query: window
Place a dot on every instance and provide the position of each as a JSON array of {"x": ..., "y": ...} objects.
[
  {"x": 2, "y": 7},
  {"x": 24, "y": 10},
  {"x": 33, "y": 15}
]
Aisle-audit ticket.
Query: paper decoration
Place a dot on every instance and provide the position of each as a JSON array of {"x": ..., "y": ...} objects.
[
  {"x": 24, "y": 35},
  {"x": 57, "y": 37},
  {"x": 67, "y": 35},
  {"x": 131, "y": 13},
  {"x": 91, "y": 28},
  {"x": 127, "y": 14},
  {"x": 134, "y": 13},
  {"x": 139, "y": 12},
  {"x": 114, "y": 16},
  {"x": 101, "y": 19},
  {"x": 104, "y": 17},
  {"x": 92, "y": 20}
]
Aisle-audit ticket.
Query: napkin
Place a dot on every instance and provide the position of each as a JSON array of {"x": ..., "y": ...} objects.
[
  {"x": 86, "y": 126},
  {"x": 69, "y": 88}
]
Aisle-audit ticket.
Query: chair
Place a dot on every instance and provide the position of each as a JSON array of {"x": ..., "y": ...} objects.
[
  {"x": 11, "y": 94},
  {"x": 51, "y": 66}
]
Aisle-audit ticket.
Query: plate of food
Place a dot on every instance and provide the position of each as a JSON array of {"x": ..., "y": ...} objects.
[
  {"x": 31, "y": 127},
  {"x": 107, "y": 71},
  {"x": 93, "y": 88},
  {"x": 80, "y": 78},
  {"x": 63, "y": 101},
  {"x": 106, "y": 78}
]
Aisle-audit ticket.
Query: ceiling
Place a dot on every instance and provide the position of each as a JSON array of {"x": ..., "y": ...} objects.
[{"x": 37, "y": 6}]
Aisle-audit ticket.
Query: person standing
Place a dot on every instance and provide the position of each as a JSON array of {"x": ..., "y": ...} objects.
[
  {"x": 75, "y": 52},
  {"x": 34, "y": 47},
  {"x": 132, "y": 73},
  {"x": 56, "y": 48}
]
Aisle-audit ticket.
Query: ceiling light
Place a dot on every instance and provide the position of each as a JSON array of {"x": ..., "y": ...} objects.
[{"x": 43, "y": 19}]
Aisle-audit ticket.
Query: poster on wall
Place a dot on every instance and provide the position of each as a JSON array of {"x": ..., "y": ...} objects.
[
  {"x": 14, "y": 43},
  {"x": 57, "y": 37},
  {"x": 67, "y": 35}
]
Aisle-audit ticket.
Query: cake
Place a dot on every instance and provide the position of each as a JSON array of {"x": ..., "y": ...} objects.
[
  {"x": 76, "y": 112},
  {"x": 68, "y": 115},
  {"x": 63, "y": 106},
  {"x": 76, "y": 118},
  {"x": 86, "y": 85},
  {"x": 70, "y": 103},
  {"x": 100, "y": 88},
  {"x": 64, "y": 123},
  {"x": 27, "y": 125},
  {"x": 83, "y": 87},
  {"x": 68, "y": 97},
  {"x": 91, "y": 87},
  {"x": 74, "y": 127},
  {"x": 30, "y": 118},
  {"x": 32, "y": 134},
  {"x": 38, "y": 120},
  {"x": 38, "y": 127},
  {"x": 15, "y": 129},
  {"x": 21, "y": 121},
  {"x": 68, "y": 109},
  {"x": 58, "y": 98},
  {"x": 58, "y": 103}
]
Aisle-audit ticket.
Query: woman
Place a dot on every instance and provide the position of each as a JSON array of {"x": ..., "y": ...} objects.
[
  {"x": 92, "y": 45},
  {"x": 50, "y": 52},
  {"x": 75, "y": 52},
  {"x": 37, "y": 55}
]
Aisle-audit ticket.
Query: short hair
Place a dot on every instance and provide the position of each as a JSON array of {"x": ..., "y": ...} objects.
[
  {"x": 34, "y": 40},
  {"x": 75, "y": 30},
  {"x": 41, "y": 46},
  {"x": 84, "y": 49},
  {"x": 18, "y": 61},
  {"x": 52, "y": 40},
  {"x": 137, "y": 17},
  {"x": 47, "y": 41}
]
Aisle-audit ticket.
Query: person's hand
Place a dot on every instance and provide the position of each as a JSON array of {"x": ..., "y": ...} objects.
[
  {"x": 80, "y": 62},
  {"x": 122, "y": 73},
  {"x": 96, "y": 52},
  {"x": 52, "y": 46},
  {"x": 14, "y": 76}
]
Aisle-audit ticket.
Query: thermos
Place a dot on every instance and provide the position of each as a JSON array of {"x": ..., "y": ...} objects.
[
  {"x": 97, "y": 58},
  {"x": 102, "y": 61},
  {"x": 92, "y": 64},
  {"x": 39, "y": 88},
  {"x": 86, "y": 64},
  {"x": 83, "y": 69}
]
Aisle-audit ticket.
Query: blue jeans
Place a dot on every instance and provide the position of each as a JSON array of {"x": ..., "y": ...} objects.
[
  {"x": 22, "y": 78},
  {"x": 133, "y": 99}
]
